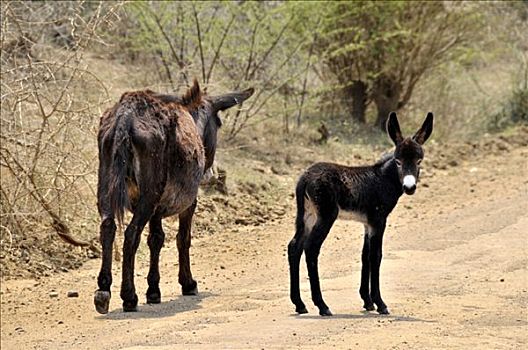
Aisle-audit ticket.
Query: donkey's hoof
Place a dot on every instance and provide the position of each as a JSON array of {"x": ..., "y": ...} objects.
[
  {"x": 191, "y": 289},
  {"x": 369, "y": 307},
  {"x": 153, "y": 299},
  {"x": 301, "y": 310},
  {"x": 325, "y": 312},
  {"x": 102, "y": 301},
  {"x": 130, "y": 305},
  {"x": 153, "y": 296},
  {"x": 383, "y": 311}
]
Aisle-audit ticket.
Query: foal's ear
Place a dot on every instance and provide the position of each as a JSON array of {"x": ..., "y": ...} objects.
[
  {"x": 226, "y": 101},
  {"x": 393, "y": 128},
  {"x": 425, "y": 131}
]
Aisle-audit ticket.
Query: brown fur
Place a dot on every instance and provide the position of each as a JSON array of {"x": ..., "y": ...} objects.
[{"x": 153, "y": 152}]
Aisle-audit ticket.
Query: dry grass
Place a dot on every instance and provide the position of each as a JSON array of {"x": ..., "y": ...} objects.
[{"x": 49, "y": 152}]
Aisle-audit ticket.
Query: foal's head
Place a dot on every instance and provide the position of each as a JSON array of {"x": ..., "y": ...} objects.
[
  {"x": 409, "y": 153},
  {"x": 205, "y": 109}
]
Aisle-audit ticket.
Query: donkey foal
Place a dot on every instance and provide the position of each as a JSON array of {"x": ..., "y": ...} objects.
[{"x": 366, "y": 194}]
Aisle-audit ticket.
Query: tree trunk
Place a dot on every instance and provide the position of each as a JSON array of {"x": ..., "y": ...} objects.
[
  {"x": 386, "y": 95},
  {"x": 356, "y": 100}
]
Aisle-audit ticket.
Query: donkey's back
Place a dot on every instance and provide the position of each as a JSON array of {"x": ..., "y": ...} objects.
[
  {"x": 149, "y": 144},
  {"x": 355, "y": 192}
]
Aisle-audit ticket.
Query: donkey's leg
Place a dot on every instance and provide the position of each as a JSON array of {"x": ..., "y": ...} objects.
[
  {"x": 106, "y": 234},
  {"x": 104, "y": 280},
  {"x": 375, "y": 255},
  {"x": 294, "y": 257},
  {"x": 151, "y": 180},
  {"x": 130, "y": 245},
  {"x": 155, "y": 242},
  {"x": 327, "y": 216},
  {"x": 364, "y": 289},
  {"x": 183, "y": 241}
]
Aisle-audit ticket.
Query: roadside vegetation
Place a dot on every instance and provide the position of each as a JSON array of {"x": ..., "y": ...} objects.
[{"x": 326, "y": 76}]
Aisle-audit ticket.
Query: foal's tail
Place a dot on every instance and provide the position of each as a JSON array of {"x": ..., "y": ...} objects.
[
  {"x": 300, "y": 195},
  {"x": 120, "y": 163}
]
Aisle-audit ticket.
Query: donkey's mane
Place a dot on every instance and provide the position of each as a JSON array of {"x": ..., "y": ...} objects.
[
  {"x": 168, "y": 98},
  {"x": 385, "y": 157}
]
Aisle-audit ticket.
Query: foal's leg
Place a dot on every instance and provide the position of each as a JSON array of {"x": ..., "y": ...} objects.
[
  {"x": 155, "y": 242},
  {"x": 375, "y": 255},
  {"x": 312, "y": 247},
  {"x": 183, "y": 241},
  {"x": 364, "y": 290},
  {"x": 294, "y": 257}
]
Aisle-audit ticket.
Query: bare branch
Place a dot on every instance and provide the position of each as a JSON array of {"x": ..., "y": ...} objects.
[
  {"x": 199, "y": 35},
  {"x": 217, "y": 51}
]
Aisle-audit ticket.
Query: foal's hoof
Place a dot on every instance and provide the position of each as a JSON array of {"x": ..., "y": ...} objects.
[
  {"x": 153, "y": 296},
  {"x": 369, "y": 307},
  {"x": 383, "y": 311},
  {"x": 130, "y": 305},
  {"x": 191, "y": 289},
  {"x": 325, "y": 312},
  {"x": 301, "y": 310},
  {"x": 102, "y": 301}
]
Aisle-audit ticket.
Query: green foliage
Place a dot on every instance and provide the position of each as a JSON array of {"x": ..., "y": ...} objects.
[
  {"x": 389, "y": 46},
  {"x": 234, "y": 45},
  {"x": 515, "y": 109}
]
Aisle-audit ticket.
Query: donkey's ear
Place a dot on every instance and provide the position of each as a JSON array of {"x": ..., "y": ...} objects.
[
  {"x": 193, "y": 97},
  {"x": 425, "y": 131},
  {"x": 226, "y": 101},
  {"x": 393, "y": 128}
]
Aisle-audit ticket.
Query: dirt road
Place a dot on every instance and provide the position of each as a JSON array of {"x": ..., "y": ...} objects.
[{"x": 454, "y": 275}]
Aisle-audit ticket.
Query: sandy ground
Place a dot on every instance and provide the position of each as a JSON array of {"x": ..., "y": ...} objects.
[{"x": 454, "y": 276}]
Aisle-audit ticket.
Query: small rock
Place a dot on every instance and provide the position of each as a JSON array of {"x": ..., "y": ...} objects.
[
  {"x": 278, "y": 170},
  {"x": 53, "y": 294},
  {"x": 502, "y": 279},
  {"x": 73, "y": 294},
  {"x": 60, "y": 322},
  {"x": 503, "y": 146}
]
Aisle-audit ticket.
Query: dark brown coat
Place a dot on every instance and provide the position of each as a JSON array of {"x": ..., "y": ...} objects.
[{"x": 153, "y": 152}]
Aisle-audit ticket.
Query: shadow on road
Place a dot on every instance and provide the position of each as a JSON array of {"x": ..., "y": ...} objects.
[
  {"x": 164, "y": 309},
  {"x": 364, "y": 315}
]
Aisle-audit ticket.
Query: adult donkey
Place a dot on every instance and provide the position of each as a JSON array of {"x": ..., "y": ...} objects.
[
  {"x": 153, "y": 152},
  {"x": 365, "y": 194}
]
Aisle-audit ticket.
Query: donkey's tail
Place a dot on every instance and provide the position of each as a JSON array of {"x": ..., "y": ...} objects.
[
  {"x": 121, "y": 152},
  {"x": 300, "y": 195}
]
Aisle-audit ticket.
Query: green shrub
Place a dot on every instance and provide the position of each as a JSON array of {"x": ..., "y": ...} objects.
[{"x": 515, "y": 109}]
